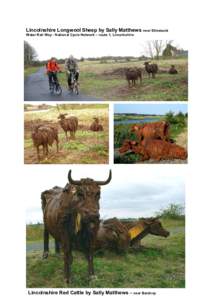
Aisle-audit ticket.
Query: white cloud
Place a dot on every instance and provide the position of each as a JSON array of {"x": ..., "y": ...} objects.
[{"x": 134, "y": 190}]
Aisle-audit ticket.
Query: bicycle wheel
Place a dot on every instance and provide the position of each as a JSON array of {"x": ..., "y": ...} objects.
[
  {"x": 76, "y": 88},
  {"x": 58, "y": 90}
]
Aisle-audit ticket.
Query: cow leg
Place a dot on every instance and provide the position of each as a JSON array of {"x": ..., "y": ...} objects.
[
  {"x": 47, "y": 150},
  {"x": 68, "y": 258},
  {"x": 66, "y": 135},
  {"x": 57, "y": 144},
  {"x": 38, "y": 154},
  {"x": 89, "y": 256},
  {"x": 57, "y": 246},
  {"x": 46, "y": 243}
]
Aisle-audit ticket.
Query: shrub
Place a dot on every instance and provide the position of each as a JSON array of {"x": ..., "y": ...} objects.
[
  {"x": 126, "y": 159},
  {"x": 173, "y": 211}
]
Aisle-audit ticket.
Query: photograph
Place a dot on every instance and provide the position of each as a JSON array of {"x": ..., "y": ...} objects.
[
  {"x": 150, "y": 133},
  {"x": 106, "y": 69},
  {"x": 100, "y": 228},
  {"x": 66, "y": 133}
]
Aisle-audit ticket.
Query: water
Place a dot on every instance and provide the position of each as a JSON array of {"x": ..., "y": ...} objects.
[{"x": 137, "y": 121}]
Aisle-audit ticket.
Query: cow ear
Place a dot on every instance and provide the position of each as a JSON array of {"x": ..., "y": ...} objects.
[{"x": 66, "y": 188}]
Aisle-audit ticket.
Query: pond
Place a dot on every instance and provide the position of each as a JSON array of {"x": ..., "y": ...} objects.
[{"x": 137, "y": 121}]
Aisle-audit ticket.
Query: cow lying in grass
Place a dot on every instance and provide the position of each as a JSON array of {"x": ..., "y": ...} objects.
[
  {"x": 120, "y": 235},
  {"x": 96, "y": 126},
  {"x": 154, "y": 149},
  {"x": 145, "y": 226}
]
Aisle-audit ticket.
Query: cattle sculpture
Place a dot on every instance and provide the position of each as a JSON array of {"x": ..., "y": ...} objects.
[
  {"x": 68, "y": 124},
  {"x": 154, "y": 130},
  {"x": 132, "y": 75},
  {"x": 44, "y": 135},
  {"x": 173, "y": 70},
  {"x": 71, "y": 216},
  {"x": 96, "y": 126},
  {"x": 154, "y": 149},
  {"x": 151, "y": 68}
]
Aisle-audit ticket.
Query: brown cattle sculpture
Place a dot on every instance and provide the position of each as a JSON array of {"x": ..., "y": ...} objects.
[
  {"x": 154, "y": 130},
  {"x": 113, "y": 235},
  {"x": 173, "y": 70},
  {"x": 145, "y": 226},
  {"x": 151, "y": 68},
  {"x": 120, "y": 235},
  {"x": 132, "y": 75},
  {"x": 95, "y": 126},
  {"x": 68, "y": 124},
  {"x": 44, "y": 135},
  {"x": 71, "y": 216}
]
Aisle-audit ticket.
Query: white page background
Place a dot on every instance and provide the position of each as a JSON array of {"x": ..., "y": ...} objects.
[{"x": 189, "y": 21}]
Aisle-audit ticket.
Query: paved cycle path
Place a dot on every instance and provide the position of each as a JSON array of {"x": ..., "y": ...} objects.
[{"x": 36, "y": 88}]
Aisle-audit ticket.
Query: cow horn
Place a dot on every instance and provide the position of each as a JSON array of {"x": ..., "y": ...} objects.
[
  {"x": 77, "y": 182},
  {"x": 105, "y": 182}
]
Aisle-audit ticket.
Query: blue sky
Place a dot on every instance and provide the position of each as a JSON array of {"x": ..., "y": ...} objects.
[{"x": 150, "y": 108}]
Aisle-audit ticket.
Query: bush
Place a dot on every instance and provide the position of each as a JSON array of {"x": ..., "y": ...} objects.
[
  {"x": 173, "y": 211},
  {"x": 121, "y": 133},
  {"x": 127, "y": 158}
]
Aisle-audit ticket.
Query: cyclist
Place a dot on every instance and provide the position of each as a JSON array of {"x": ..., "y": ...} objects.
[
  {"x": 71, "y": 66},
  {"x": 52, "y": 68}
]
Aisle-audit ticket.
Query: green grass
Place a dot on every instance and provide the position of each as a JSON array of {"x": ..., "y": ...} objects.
[
  {"x": 96, "y": 80},
  {"x": 30, "y": 70},
  {"x": 160, "y": 264}
]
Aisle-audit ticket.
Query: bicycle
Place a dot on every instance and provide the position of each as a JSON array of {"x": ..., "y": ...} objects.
[
  {"x": 55, "y": 87},
  {"x": 73, "y": 83}
]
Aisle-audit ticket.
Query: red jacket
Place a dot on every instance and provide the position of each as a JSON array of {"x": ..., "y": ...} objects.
[{"x": 52, "y": 66}]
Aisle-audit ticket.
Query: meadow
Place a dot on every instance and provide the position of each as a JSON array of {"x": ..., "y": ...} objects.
[
  {"x": 106, "y": 80},
  {"x": 159, "y": 264},
  {"x": 87, "y": 147}
]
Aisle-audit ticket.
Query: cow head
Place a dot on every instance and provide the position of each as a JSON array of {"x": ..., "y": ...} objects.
[
  {"x": 126, "y": 146},
  {"x": 62, "y": 116},
  {"x": 85, "y": 197},
  {"x": 135, "y": 128},
  {"x": 147, "y": 63},
  {"x": 155, "y": 227}
]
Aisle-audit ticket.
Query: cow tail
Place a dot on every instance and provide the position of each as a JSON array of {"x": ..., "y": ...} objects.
[{"x": 43, "y": 200}]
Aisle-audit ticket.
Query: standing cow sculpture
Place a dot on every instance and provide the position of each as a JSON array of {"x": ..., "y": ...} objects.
[
  {"x": 71, "y": 216},
  {"x": 44, "y": 135},
  {"x": 155, "y": 130},
  {"x": 151, "y": 68},
  {"x": 132, "y": 75},
  {"x": 68, "y": 124}
]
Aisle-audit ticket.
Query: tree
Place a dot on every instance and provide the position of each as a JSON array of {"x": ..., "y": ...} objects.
[
  {"x": 169, "y": 50},
  {"x": 155, "y": 48},
  {"x": 30, "y": 54}
]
